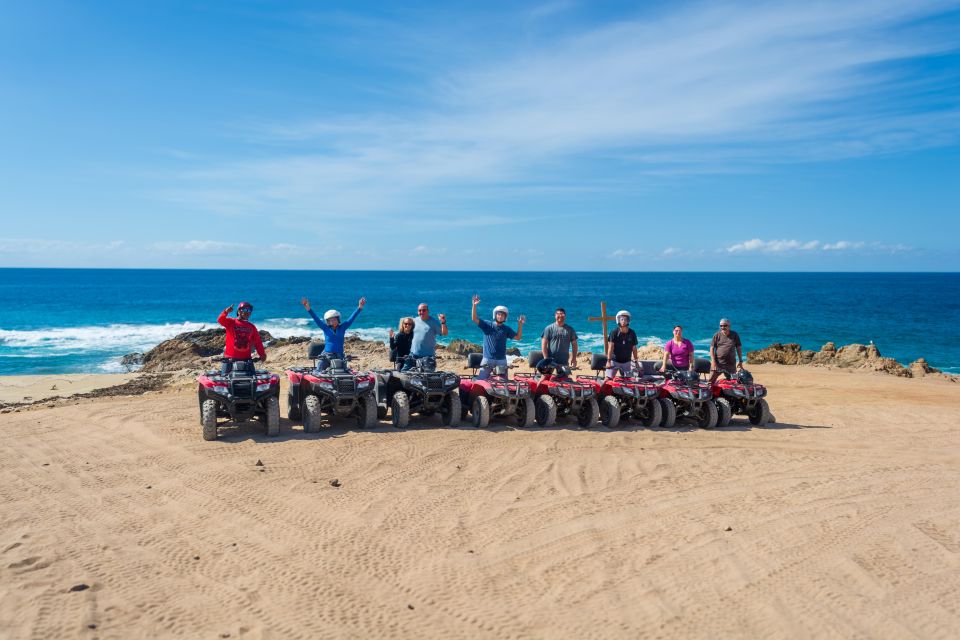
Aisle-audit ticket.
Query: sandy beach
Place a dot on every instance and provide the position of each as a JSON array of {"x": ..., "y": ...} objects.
[{"x": 839, "y": 520}]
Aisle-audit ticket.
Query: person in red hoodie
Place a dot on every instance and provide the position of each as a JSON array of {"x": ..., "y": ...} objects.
[{"x": 242, "y": 336}]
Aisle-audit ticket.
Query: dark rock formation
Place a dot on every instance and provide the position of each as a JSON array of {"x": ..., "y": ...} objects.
[{"x": 187, "y": 350}]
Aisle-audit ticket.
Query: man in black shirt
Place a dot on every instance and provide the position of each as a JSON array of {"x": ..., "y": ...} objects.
[{"x": 621, "y": 346}]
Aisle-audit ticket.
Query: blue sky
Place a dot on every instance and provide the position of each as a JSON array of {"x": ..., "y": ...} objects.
[{"x": 497, "y": 135}]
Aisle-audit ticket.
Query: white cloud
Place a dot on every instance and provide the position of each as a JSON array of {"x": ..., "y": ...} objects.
[
  {"x": 773, "y": 246},
  {"x": 200, "y": 247},
  {"x": 701, "y": 85},
  {"x": 843, "y": 245},
  {"x": 422, "y": 250},
  {"x": 43, "y": 245},
  {"x": 626, "y": 253}
]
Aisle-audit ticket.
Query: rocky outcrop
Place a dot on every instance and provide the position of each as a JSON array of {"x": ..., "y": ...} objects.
[
  {"x": 462, "y": 347},
  {"x": 190, "y": 350},
  {"x": 852, "y": 356}
]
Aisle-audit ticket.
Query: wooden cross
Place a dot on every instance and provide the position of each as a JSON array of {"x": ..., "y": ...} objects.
[{"x": 604, "y": 318}]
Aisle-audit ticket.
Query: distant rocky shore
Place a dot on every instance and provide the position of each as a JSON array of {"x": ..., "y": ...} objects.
[
  {"x": 851, "y": 356},
  {"x": 196, "y": 350}
]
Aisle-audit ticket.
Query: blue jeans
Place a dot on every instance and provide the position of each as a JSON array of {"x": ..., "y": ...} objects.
[
  {"x": 227, "y": 366},
  {"x": 486, "y": 367}
]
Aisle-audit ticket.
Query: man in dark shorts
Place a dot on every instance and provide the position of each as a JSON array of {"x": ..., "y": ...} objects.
[{"x": 725, "y": 343}]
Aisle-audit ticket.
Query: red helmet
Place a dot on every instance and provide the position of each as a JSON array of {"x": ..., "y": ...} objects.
[{"x": 244, "y": 305}]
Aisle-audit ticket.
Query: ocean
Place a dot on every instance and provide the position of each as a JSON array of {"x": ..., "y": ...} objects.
[{"x": 85, "y": 320}]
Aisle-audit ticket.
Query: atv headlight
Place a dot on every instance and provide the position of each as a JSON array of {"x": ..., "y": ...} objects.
[
  {"x": 223, "y": 390},
  {"x": 500, "y": 392},
  {"x": 562, "y": 391},
  {"x": 418, "y": 383},
  {"x": 588, "y": 393},
  {"x": 651, "y": 392},
  {"x": 325, "y": 385},
  {"x": 624, "y": 391},
  {"x": 761, "y": 391},
  {"x": 263, "y": 386},
  {"x": 449, "y": 380}
]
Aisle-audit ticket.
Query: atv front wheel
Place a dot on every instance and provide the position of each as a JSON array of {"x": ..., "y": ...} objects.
[
  {"x": 208, "y": 418},
  {"x": 546, "y": 411},
  {"x": 724, "y": 412},
  {"x": 400, "y": 410},
  {"x": 451, "y": 411},
  {"x": 652, "y": 414},
  {"x": 760, "y": 415},
  {"x": 669, "y": 411},
  {"x": 589, "y": 414},
  {"x": 707, "y": 417},
  {"x": 293, "y": 409},
  {"x": 481, "y": 412},
  {"x": 311, "y": 414},
  {"x": 367, "y": 413},
  {"x": 610, "y": 412},
  {"x": 526, "y": 413},
  {"x": 273, "y": 416}
]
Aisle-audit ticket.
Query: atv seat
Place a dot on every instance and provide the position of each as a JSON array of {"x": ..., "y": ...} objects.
[
  {"x": 314, "y": 349},
  {"x": 701, "y": 365},
  {"x": 598, "y": 361},
  {"x": 474, "y": 360}
]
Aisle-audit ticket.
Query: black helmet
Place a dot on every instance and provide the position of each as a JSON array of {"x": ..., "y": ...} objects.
[
  {"x": 744, "y": 377},
  {"x": 546, "y": 366}
]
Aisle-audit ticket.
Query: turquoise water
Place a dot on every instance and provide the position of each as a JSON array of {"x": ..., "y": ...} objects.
[{"x": 84, "y": 320}]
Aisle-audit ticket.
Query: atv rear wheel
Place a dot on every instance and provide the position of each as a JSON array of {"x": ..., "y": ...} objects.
[
  {"x": 400, "y": 410},
  {"x": 367, "y": 413},
  {"x": 450, "y": 410},
  {"x": 707, "y": 417},
  {"x": 481, "y": 412},
  {"x": 273, "y": 416},
  {"x": 208, "y": 418},
  {"x": 526, "y": 413},
  {"x": 311, "y": 414},
  {"x": 652, "y": 414},
  {"x": 724, "y": 412},
  {"x": 589, "y": 414},
  {"x": 546, "y": 411},
  {"x": 669, "y": 413},
  {"x": 761, "y": 413},
  {"x": 293, "y": 409},
  {"x": 610, "y": 412}
]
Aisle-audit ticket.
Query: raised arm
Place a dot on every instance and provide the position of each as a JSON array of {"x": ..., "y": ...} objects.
[
  {"x": 443, "y": 323},
  {"x": 520, "y": 322},
  {"x": 473, "y": 310},
  {"x": 222, "y": 319}
]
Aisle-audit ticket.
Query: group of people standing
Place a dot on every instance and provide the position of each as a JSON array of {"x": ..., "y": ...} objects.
[{"x": 417, "y": 338}]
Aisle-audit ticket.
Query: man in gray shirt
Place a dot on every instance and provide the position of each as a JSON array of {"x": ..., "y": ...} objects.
[
  {"x": 425, "y": 330},
  {"x": 556, "y": 339}
]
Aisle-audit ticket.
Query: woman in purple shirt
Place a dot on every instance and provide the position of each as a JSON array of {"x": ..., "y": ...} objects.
[{"x": 679, "y": 351}]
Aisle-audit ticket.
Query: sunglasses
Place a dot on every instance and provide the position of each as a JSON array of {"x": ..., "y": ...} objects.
[
  {"x": 408, "y": 324},
  {"x": 245, "y": 310}
]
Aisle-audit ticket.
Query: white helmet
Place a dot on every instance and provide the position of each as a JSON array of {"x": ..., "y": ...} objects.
[
  {"x": 498, "y": 309},
  {"x": 332, "y": 313},
  {"x": 621, "y": 313}
]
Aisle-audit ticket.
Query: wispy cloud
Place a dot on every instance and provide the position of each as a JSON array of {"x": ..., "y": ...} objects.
[
  {"x": 843, "y": 245},
  {"x": 699, "y": 86},
  {"x": 46, "y": 246},
  {"x": 773, "y": 246},
  {"x": 200, "y": 247}
]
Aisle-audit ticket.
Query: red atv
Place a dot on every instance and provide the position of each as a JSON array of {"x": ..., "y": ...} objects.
[
  {"x": 557, "y": 394},
  {"x": 687, "y": 396},
  {"x": 741, "y": 396},
  {"x": 624, "y": 397},
  {"x": 336, "y": 391},
  {"x": 242, "y": 394},
  {"x": 496, "y": 397}
]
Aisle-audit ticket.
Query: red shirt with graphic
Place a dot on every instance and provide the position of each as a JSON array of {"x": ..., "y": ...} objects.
[{"x": 241, "y": 336}]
